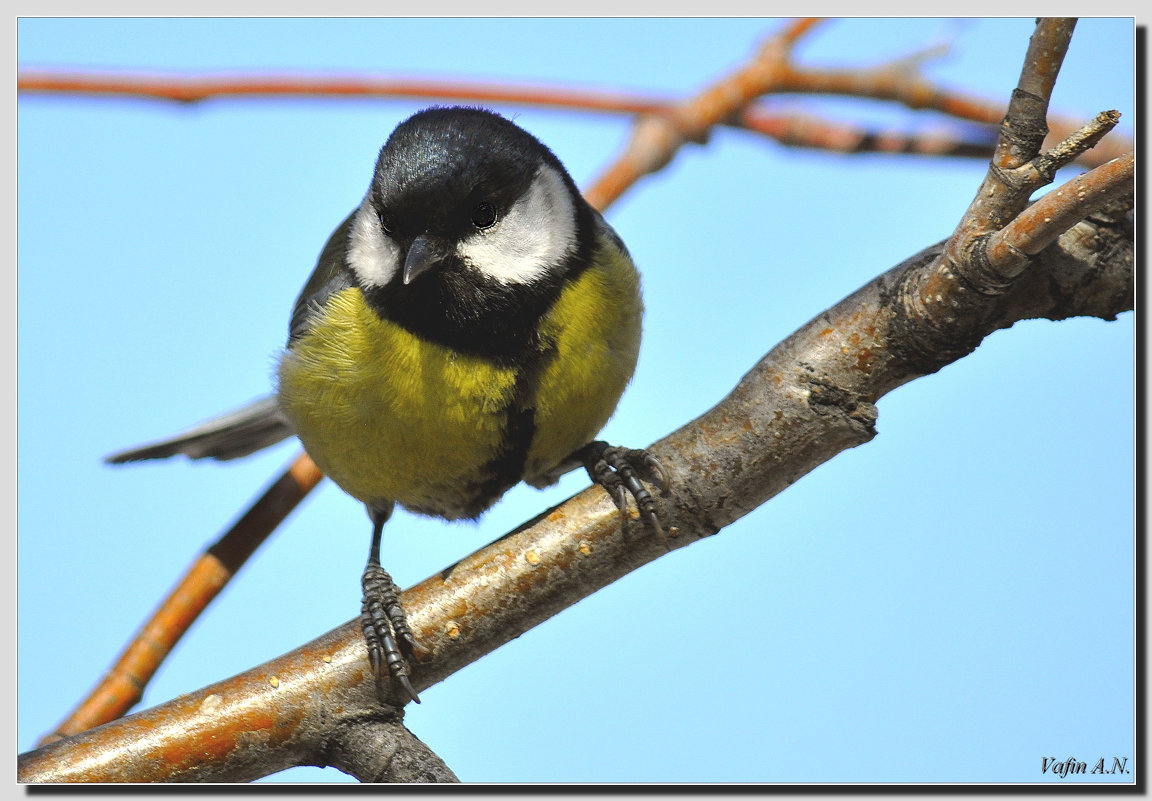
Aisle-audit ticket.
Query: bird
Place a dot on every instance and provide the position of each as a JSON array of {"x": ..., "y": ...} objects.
[{"x": 471, "y": 324}]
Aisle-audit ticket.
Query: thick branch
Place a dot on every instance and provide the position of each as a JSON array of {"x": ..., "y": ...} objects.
[
  {"x": 980, "y": 262},
  {"x": 377, "y": 751},
  {"x": 810, "y": 398},
  {"x": 123, "y": 686}
]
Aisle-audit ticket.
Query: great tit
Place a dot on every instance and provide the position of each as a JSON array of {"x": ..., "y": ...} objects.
[{"x": 471, "y": 324}]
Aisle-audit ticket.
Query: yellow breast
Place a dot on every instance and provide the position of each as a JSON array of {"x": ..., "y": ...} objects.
[
  {"x": 595, "y": 329},
  {"x": 389, "y": 416}
]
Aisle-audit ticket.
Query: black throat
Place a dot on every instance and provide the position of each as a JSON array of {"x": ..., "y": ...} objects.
[
  {"x": 496, "y": 322},
  {"x": 465, "y": 312}
]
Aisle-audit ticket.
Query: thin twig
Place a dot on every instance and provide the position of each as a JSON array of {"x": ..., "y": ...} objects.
[
  {"x": 897, "y": 81},
  {"x": 123, "y": 685},
  {"x": 981, "y": 262},
  {"x": 195, "y": 90},
  {"x": 657, "y": 137},
  {"x": 1040, "y": 224},
  {"x": 1006, "y": 187}
]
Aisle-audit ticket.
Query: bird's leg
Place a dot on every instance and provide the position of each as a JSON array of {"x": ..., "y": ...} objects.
[
  {"x": 382, "y": 618},
  {"x": 617, "y": 470}
]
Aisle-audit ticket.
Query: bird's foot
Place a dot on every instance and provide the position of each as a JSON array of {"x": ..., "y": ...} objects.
[
  {"x": 618, "y": 471},
  {"x": 385, "y": 627}
]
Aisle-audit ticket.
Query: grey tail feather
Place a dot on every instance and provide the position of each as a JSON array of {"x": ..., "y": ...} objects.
[{"x": 257, "y": 425}]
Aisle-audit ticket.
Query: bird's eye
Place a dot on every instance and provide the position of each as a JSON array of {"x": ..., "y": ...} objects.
[
  {"x": 385, "y": 221},
  {"x": 484, "y": 215}
]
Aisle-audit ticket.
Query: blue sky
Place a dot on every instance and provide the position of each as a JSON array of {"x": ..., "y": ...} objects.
[{"x": 951, "y": 602}]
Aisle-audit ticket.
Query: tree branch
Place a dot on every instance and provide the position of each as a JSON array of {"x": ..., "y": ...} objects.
[
  {"x": 123, "y": 686},
  {"x": 978, "y": 263},
  {"x": 1039, "y": 225},
  {"x": 315, "y": 706},
  {"x": 375, "y": 750},
  {"x": 808, "y": 399},
  {"x": 896, "y": 82},
  {"x": 657, "y": 137}
]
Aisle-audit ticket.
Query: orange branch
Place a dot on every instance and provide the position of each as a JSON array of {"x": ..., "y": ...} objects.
[
  {"x": 657, "y": 137},
  {"x": 1044, "y": 221},
  {"x": 123, "y": 685},
  {"x": 894, "y": 82},
  {"x": 194, "y": 90}
]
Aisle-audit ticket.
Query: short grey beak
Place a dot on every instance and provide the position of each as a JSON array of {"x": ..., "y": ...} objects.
[{"x": 423, "y": 255}]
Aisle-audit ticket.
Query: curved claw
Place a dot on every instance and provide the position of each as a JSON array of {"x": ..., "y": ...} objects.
[
  {"x": 654, "y": 521},
  {"x": 385, "y": 628},
  {"x": 615, "y": 469},
  {"x": 654, "y": 470},
  {"x": 619, "y": 496},
  {"x": 408, "y": 688}
]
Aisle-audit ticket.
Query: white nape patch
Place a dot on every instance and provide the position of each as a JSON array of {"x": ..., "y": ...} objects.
[
  {"x": 373, "y": 257},
  {"x": 533, "y": 236}
]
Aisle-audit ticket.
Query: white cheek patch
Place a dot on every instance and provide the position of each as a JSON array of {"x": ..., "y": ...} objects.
[
  {"x": 531, "y": 238},
  {"x": 373, "y": 257}
]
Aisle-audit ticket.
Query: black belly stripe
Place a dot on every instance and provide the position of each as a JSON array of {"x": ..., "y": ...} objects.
[
  {"x": 497, "y": 322},
  {"x": 507, "y": 469}
]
